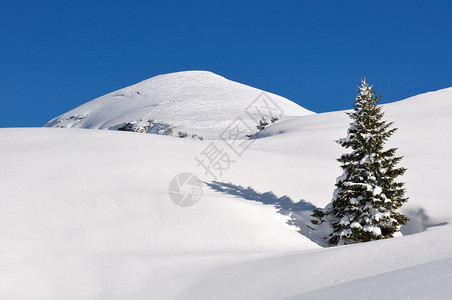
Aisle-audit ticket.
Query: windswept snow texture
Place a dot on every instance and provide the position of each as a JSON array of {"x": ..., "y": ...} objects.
[
  {"x": 86, "y": 214},
  {"x": 196, "y": 102}
]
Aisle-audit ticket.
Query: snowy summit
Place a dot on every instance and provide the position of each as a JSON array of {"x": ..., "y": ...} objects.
[{"x": 198, "y": 103}]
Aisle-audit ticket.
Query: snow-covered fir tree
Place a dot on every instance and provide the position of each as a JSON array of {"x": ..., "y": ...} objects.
[
  {"x": 262, "y": 124},
  {"x": 367, "y": 196}
]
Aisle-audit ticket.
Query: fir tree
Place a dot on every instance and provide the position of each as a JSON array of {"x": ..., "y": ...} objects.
[
  {"x": 263, "y": 123},
  {"x": 367, "y": 195}
]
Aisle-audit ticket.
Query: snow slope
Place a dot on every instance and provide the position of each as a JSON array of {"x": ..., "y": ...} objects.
[
  {"x": 196, "y": 102},
  {"x": 86, "y": 214}
]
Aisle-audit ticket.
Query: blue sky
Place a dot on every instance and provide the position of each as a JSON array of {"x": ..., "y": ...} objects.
[{"x": 56, "y": 55}]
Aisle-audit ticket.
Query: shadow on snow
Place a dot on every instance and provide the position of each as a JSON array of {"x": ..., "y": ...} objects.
[
  {"x": 298, "y": 213},
  {"x": 419, "y": 221}
]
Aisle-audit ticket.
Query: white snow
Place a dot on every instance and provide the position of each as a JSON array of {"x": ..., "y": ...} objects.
[
  {"x": 376, "y": 190},
  {"x": 196, "y": 102},
  {"x": 86, "y": 213},
  {"x": 355, "y": 225}
]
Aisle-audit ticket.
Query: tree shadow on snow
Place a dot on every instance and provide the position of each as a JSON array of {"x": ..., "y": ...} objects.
[
  {"x": 298, "y": 213},
  {"x": 419, "y": 221}
]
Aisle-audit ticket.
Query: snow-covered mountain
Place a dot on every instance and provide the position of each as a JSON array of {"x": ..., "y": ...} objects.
[
  {"x": 87, "y": 214},
  {"x": 198, "y": 103}
]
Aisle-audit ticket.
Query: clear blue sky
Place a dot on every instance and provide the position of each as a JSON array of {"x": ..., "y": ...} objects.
[{"x": 56, "y": 55}]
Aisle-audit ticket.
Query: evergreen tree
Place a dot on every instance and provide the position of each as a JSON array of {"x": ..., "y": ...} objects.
[
  {"x": 367, "y": 196},
  {"x": 263, "y": 123}
]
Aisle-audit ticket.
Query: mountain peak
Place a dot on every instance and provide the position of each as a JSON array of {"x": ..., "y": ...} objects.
[{"x": 199, "y": 103}]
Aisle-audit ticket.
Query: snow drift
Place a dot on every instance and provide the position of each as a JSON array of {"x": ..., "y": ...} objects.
[{"x": 86, "y": 213}]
